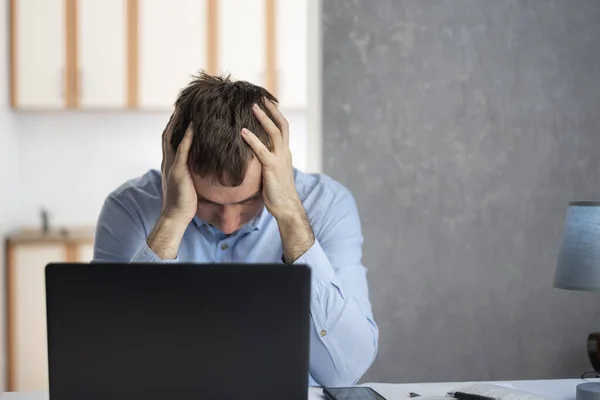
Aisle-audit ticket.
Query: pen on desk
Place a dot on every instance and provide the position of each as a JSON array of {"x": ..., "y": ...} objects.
[
  {"x": 413, "y": 394},
  {"x": 469, "y": 396}
]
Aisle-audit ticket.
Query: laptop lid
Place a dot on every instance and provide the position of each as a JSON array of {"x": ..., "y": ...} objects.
[{"x": 178, "y": 331}]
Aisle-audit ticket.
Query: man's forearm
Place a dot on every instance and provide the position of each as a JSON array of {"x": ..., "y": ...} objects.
[
  {"x": 296, "y": 233},
  {"x": 166, "y": 238}
]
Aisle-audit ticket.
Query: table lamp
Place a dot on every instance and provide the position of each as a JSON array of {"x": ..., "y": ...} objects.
[{"x": 578, "y": 268}]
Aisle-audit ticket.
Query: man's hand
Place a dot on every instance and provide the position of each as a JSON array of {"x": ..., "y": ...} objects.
[
  {"x": 180, "y": 200},
  {"x": 279, "y": 189}
]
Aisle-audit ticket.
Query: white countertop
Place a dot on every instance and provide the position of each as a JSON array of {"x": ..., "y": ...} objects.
[{"x": 559, "y": 389}]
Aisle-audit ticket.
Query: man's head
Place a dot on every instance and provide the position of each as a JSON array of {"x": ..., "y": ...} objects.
[{"x": 226, "y": 173}]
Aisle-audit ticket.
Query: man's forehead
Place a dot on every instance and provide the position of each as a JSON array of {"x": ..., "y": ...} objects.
[
  {"x": 228, "y": 198},
  {"x": 214, "y": 192}
]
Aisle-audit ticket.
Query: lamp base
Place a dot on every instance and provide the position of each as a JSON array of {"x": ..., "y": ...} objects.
[
  {"x": 593, "y": 348},
  {"x": 588, "y": 391}
]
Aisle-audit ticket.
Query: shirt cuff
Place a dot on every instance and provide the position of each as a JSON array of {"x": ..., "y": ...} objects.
[
  {"x": 322, "y": 272},
  {"x": 146, "y": 255}
]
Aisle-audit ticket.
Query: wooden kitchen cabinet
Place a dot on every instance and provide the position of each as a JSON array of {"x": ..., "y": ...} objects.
[
  {"x": 291, "y": 52},
  {"x": 172, "y": 46},
  {"x": 68, "y": 54},
  {"x": 242, "y": 40},
  {"x": 101, "y": 54},
  {"x": 38, "y": 55},
  {"x": 138, "y": 54},
  {"x": 27, "y": 254}
]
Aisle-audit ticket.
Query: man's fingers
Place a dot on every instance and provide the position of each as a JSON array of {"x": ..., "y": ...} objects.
[
  {"x": 269, "y": 125},
  {"x": 281, "y": 121},
  {"x": 165, "y": 134},
  {"x": 168, "y": 123},
  {"x": 257, "y": 146},
  {"x": 167, "y": 152},
  {"x": 168, "y": 131},
  {"x": 183, "y": 151},
  {"x": 164, "y": 154}
]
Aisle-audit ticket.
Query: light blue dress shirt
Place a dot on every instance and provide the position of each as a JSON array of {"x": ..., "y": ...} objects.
[{"x": 344, "y": 336}]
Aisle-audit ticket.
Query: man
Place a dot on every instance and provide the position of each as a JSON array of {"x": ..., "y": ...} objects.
[{"x": 227, "y": 192}]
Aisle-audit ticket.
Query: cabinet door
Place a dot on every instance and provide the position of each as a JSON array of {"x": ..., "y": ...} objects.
[
  {"x": 85, "y": 252},
  {"x": 101, "y": 39},
  {"x": 39, "y": 39},
  {"x": 29, "y": 344},
  {"x": 242, "y": 50},
  {"x": 292, "y": 53},
  {"x": 172, "y": 47}
]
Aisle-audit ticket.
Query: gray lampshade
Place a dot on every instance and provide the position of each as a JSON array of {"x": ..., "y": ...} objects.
[{"x": 579, "y": 258}]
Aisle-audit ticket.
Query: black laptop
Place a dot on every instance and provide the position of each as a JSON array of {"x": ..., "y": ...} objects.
[{"x": 178, "y": 331}]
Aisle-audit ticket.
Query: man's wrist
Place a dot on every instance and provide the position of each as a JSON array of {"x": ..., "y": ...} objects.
[
  {"x": 291, "y": 213},
  {"x": 296, "y": 233},
  {"x": 173, "y": 224},
  {"x": 166, "y": 237},
  {"x": 174, "y": 219},
  {"x": 291, "y": 219}
]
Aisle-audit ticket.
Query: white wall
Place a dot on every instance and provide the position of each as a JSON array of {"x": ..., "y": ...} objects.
[{"x": 69, "y": 162}]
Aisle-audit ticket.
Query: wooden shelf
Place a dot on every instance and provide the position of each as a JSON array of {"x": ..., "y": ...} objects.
[{"x": 33, "y": 236}]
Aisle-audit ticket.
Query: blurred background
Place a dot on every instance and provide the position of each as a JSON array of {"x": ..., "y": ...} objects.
[
  {"x": 462, "y": 127},
  {"x": 86, "y": 88}
]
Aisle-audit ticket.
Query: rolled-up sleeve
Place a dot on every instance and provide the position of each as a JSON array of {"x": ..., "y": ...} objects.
[{"x": 344, "y": 335}]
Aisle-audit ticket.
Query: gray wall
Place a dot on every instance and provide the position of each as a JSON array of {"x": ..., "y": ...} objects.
[{"x": 463, "y": 128}]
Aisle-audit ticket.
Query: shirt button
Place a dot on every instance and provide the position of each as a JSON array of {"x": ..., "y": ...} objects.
[
  {"x": 224, "y": 246},
  {"x": 323, "y": 332}
]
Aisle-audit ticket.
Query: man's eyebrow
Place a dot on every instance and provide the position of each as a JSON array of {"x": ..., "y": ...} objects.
[{"x": 254, "y": 196}]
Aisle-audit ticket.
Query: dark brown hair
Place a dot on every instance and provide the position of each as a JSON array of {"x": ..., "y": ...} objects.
[{"x": 218, "y": 109}]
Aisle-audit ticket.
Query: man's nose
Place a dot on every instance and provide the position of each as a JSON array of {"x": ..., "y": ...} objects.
[{"x": 230, "y": 219}]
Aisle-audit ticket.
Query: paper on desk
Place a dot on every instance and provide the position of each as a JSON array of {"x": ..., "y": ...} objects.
[
  {"x": 493, "y": 391},
  {"x": 498, "y": 392},
  {"x": 315, "y": 393},
  {"x": 393, "y": 391}
]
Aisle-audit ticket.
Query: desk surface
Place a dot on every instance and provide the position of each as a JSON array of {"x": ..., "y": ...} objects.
[{"x": 561, "y": 389}]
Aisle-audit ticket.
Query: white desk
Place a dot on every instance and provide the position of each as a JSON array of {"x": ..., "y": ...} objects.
[
  {"x": 559, "y": 389},
  {"x": 562, "y": 389}
]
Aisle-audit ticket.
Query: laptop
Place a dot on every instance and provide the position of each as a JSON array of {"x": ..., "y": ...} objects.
[{"x": 178, "y": 331}]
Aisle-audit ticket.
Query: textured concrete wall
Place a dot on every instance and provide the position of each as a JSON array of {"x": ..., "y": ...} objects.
[{"x": 463, "y": 128}]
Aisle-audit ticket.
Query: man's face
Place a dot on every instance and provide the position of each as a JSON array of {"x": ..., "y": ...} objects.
[{"x": 230, "y": 208}]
